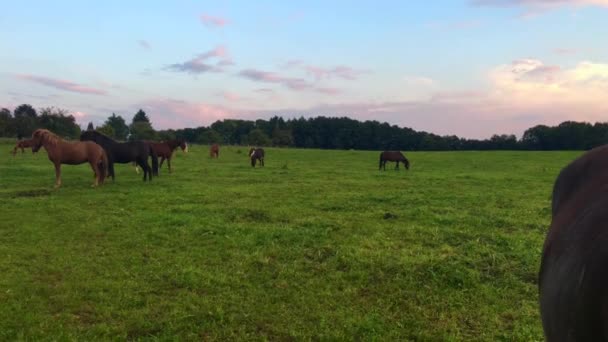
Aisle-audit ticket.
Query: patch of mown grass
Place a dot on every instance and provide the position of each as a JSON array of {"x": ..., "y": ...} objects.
[{"x": 316, "y": 245}]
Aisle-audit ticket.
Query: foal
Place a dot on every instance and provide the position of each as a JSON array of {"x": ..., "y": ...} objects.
[
  {"x": 22, "y": 144},
  {"x": 214, "y": 151},
  {"x": 71, "y": 153}
]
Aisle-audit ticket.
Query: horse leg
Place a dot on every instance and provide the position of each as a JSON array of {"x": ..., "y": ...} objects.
[
  {"x": 95, "y": 173},
  {"x": 162, "y": 160},
  {"x": 397, "y": 166},
  {"x": 111, "y": 168},
  {"x": 142, "y": 164},
  {"x": 57, "y": 175},
  {"x": 262, "y": 161}
]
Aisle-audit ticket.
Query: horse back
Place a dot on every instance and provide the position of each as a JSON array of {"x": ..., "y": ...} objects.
[{"x": 573, "y": 282}]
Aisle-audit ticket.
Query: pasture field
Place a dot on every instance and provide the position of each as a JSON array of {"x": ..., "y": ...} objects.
[{"x": 317, "y": 245}]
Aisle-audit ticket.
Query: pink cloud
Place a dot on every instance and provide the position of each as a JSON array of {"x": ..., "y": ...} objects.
[
  {"x": 565, "y": 51},
  {"x": 212, "y": 21},
  {"x": 320, "y": 73},
  {"x": 61, "y": 84},
  {"x": 200, "y": 64},
  {"x": 172, "y": 113},
  {"x": 271, "y": 77}
]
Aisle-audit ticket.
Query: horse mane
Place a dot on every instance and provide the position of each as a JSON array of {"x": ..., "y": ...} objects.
[
  {"x": 102, "y": 136},
  {"x": 47, "y": 136}
]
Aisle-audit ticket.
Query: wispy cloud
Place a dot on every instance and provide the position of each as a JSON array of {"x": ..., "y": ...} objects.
[
  {"x": 565, "y": 51},
  {"x": 144, "y": 44},
  {"x": 173, "y": 113},
  {"x": 535, "y": 7},
  {"x": 61, "y": 84},
  {"x": 320, "y": 73},
  {"x": 213, "y": 21},
  {"x": 292, "y": 83},
  {"x": 200, "y": 64}
]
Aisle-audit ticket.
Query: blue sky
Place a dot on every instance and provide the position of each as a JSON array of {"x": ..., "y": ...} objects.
[{"x": 470, "y": 68}]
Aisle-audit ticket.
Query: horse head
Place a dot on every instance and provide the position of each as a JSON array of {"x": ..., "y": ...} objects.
[
  {"x": 183, "y": 145},
  {"x": 39, "y": 137}
]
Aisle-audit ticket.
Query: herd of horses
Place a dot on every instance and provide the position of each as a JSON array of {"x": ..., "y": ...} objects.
[
  {"x": 102, "y": 152},
  {"x": 573, "y": 279}
]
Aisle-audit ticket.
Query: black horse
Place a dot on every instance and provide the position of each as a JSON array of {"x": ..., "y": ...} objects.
[
  {"x": 395, "y": 156},
  {"x": 573, "y": 277},
  {"x": 137, "y": 151},
  {"x": 256, "y": 154}
]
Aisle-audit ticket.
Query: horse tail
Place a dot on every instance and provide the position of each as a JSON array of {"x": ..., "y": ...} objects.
[
  {"x": 102, "y": 166},
  {"x": 154, "y": 157}
]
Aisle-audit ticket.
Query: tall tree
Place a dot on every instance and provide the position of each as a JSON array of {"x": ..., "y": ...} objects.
[
  {"x": 25, "y": 120},
  {"x": 90, "y": 126},
  {"x": 140, "y": 116},
  {"x": 118, "y": 127},
  {"x": 59, "y": 121},
  {"x": 6, "y": 123}
]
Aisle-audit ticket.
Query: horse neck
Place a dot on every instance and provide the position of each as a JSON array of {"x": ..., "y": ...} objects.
[{"x": 173, "y": 144}]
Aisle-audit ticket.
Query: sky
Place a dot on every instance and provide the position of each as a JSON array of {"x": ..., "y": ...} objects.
[{"x": 471, "y": 68}]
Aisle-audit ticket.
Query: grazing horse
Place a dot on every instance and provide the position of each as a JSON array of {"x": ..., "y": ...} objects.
[
  {"x": 573, "y": 277},
  {"x": 71, "y": 153},
  {"x": 117, "y": 152},
  {"x": 256, "y": 154},
  {"x": 395, "y": 156},
  {"x": 22, "y": 144},
  {"x": 165, "y": 150},
  {"x": 214, "y": 151}
]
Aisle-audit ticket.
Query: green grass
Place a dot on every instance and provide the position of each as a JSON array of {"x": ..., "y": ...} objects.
[{"x": 317, "y": 245}]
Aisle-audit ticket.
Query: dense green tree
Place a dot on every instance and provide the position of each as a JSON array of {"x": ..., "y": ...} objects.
[
  {"x": 7, "y": 128},
  {"x": 257, "y": 137},
  {"x": 25, "y": 120},
  {"x": 142, "y": 130},
  {"x": 59, "y": 121},
  {"x": 117, "y": 125},
  {"x": 141, "y": 116},
  {"x": 209, "y": 136},
  {"x": 90, "y": 126}
]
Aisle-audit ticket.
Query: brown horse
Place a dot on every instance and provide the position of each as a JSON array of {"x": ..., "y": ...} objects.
[
  {"x": 165, "y": 150},
  {"x": 71, "y": 153},
  {"x": 214, "y": 151},
  {"x": 395, "y": 156},
  {"x": 256, "y": 154},
  {"x": 22, "y": 144},
  {"x": 573, "y": 277}
]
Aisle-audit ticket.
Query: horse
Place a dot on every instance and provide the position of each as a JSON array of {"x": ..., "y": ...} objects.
[
  {"x": 71, "y": 153},
  {"x": 126, "y": 152},
  {"x": 165, "y": 149},
  {"x": 395, "y": 156},
  {"x": 22, "y": 144},
  {"x": 573, "y": 282},
  {"x": 214, "y": 151},
  {"x": 256, "y": 154}
]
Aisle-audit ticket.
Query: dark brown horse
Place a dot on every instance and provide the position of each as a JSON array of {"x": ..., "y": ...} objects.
[
  {"x": 22, "y": 144},
  {"x": 71, "y": 153},
  {"x": 119, "y": 152},
  {"x": 256, "y": 154},
  {"x": 165, "y": 150},
  {"x": 214, "y": 151},
  {"x": 394, "y": 156},
  {"x": 573, "y": 277}
]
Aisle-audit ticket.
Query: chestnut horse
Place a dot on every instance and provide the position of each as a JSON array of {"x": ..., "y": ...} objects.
[
  {"x": 126, "y": 152},
  {"x": 165, "y": 150},
  {"x": 214, "y": 151},
  {"x": 256, "y": 154},
  {"x": 71, "y": 153},
  {"x": 395, "y": 156},
  {"x": 22, "y": 144},
  {"x": 573, "y": 277}
]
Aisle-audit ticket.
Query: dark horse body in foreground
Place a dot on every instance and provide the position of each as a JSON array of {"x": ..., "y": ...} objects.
[
  {"x": 70, "y": 153},
  {"x": 256, "y": 154},
  {"x": 23, "y": 144},
  {"x": 394, "y": 156},
  {"x": 137, "y": 151},
  {"x": 165, "y": 149},
  {"x": 573, "y": 278},
  {"x": 214, "y": 151}
]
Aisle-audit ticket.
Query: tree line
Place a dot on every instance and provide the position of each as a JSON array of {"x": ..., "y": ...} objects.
[{"x": 318, "y": 132}]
